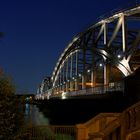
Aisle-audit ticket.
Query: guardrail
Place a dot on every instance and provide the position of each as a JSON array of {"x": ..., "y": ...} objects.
[
  {"x": 98, "y": 127},
  {"x": 98, "y": 90},
  {"x": 102, "y": 89},
  {"x": 51, "y": 132},
  {"x": 131, "y": 120},
  {"x": 121, "y": 126}
]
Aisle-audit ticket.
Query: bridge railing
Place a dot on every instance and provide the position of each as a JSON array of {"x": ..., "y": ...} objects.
[
  {"x": 51, "y": 132},
  {"x": 102, "y": 89},
  {"x": 119, "y": 86},
  {"x": 131, "y": 120}
]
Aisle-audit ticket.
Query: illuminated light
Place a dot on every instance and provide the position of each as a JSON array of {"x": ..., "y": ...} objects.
[
  {"x": 118, "y": 15},
  {"x": 75, "y": 80},
  {"x": 64, "y": 83},
  {"x": 100, "y": 64},
  {"x": 88, "y": 70},
  {"x": 119, "y": 56},
  {"x": 63, "y": 96},
  {"x": 88, "y": 84},
  {"x": 72, "y": 53},
  {"x": 68, "y": 80},
  {"x": 70, "y": 44},
  {"x": 124, "y": 67},
  {"x": 104, "y": 52},
  {"x": 42, "y": 98},
  {"x": 102, "y": 21},
  {"x": 79, "y": 75},
  {"x": 75, "y": 39},
  {"x": 48, "y": 97},
  {"x": 30, "y": 97}
]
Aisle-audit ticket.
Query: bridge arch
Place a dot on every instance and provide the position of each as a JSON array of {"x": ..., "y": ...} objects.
[{"x": 103, "y": 54}]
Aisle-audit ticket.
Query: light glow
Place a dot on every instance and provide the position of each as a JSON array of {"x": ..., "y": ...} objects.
[
  {"x": 88, "y": 71},
  {"x": 63, "y": 96},
  {"x": 79, "y": 75},
  {"x": 100, "y": 64},
  {"x": 119, "y": 56}
]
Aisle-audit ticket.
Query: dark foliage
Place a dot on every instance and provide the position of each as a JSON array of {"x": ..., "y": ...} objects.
[{"x": 11, "y": 117}]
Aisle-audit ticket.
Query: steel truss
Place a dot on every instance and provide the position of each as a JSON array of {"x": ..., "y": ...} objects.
[{"x": 104, "y": 53}]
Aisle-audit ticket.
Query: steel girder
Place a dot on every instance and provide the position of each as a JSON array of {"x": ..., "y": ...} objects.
[{"x": 112, "y": 41}]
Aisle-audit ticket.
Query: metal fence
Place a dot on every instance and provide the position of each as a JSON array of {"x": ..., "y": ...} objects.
[
  {"x": 102, "y": 89},
  {"x": 51, "y": 132},
  {"x": 118, "y": 86}
]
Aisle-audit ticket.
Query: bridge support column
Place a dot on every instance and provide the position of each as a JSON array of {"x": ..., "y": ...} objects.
[
  {"x": 61, "y": 88},
  {"x": 64, "y": 87},
  {"x": 67, "y": 86},
  {"x": 57, "y": 87},
  {"x": 83, "y": 82},
  {"x": 71, "y": 85},
  {"x": 76, "y": 84},
  {"x": 124, "y": 38},
  {"x": 80, "y": 82},
  {"x": 76, "y": 72},
  {"x": 93, "y": 78},
  {"x": 55, "y": 90},
  {"x": 106, "y": 74}
]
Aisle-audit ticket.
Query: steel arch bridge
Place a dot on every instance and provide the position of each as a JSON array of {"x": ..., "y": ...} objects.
[{"x": 99, "y": 57}]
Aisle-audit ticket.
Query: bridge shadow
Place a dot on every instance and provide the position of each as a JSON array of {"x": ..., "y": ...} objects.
[
  {"x": 79, "y": 110},
  {"x": 82, "y": 108}
]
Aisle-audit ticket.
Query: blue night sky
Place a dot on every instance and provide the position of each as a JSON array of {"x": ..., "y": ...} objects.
[{"x": 37, "y": 31}]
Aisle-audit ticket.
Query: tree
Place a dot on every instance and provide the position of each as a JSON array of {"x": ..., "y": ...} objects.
[
  {"x": 6, "y": 87},
  {"x": 10, "y": 116}
]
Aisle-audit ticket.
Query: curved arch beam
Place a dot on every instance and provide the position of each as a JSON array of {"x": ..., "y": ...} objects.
[{"x": 123, "y": 64}]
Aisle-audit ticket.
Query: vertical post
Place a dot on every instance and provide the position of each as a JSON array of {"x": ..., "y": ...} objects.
[
  {"x": 124, "y": 39},
  {"x": 92, "y": 74},
  {"x": 76, "y": 62},
  {"x": 60, "y": 82},
  {"x": 67, "y": 82},
  {"x": 106, "y": 75},
  {"x": 105, "y": 34},
  {"x": 57, "y": 84},
  {"x": 76, "y": 78},
  {"x": 83, "y": 81},
  {"x": 84, "y": 68},
  {"x": 93, "y": 71},
  {"x": 71, "y": 67},
  {"x": 93, "y": 78},
  {"x": 64, "y": 76},
  {"x": 71, "y": 73},
  {"x": 81, "y": 132}
]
